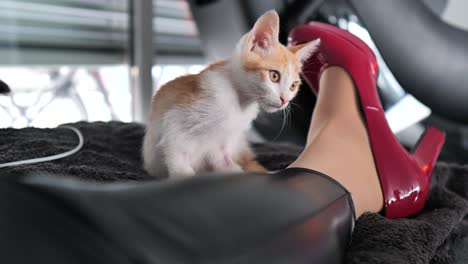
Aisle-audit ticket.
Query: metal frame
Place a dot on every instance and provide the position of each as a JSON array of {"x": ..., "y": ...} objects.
[{"x": 141, "y": 57}]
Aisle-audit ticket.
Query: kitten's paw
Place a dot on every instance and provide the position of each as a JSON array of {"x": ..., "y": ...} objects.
[
  {"x": 177, "y": 171},
  {"x": 236, "y": 168},
  {"x": 225, "y": 164}
]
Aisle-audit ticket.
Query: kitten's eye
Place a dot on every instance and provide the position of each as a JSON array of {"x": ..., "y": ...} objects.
[
  {"x": 294, "y": 86},
  {"x": 274, "y": 76}
]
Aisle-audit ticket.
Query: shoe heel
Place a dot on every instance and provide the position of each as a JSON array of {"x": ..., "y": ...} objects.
[{"x": 428, "y": 150}]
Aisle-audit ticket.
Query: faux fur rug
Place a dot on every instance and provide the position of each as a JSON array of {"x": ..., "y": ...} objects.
[{"x": 111, "y": 152}]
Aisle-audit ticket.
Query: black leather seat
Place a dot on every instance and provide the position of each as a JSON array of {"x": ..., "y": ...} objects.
[{"x": 296, "y": 216}]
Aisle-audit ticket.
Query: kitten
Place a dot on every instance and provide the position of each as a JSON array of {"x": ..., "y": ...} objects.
[{"x": 198, "y": 122}]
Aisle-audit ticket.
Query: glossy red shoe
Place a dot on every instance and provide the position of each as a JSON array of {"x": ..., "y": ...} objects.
[{"x": 404, "y": 177}]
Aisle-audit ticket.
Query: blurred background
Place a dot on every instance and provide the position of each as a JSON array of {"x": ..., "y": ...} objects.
[
  {"x": 101, "y": 60},
  {"x": 72, "y": 60}
]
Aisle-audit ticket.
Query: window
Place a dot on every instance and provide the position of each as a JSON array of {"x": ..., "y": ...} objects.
[{"x": 69, "y": 60}]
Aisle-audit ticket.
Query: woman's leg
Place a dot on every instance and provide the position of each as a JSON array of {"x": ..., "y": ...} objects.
[{"x": 337, "y": 142}]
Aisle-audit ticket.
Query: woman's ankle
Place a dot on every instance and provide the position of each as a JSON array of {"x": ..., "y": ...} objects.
[{"x": 345, "y": 155}]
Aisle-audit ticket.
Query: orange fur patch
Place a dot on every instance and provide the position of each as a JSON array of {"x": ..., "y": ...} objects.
[
  {"x": 182, "y": 91},
  {"x": 253, "y": 166},
  {"x": 263, "y": 75},
  {"x": 248, "y": 162},
  {"x": 216, "y": 65},
  {"x": 279, "y": 59}
]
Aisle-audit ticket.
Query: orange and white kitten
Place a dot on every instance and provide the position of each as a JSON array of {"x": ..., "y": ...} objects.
[{"x": 198, "y": 122}]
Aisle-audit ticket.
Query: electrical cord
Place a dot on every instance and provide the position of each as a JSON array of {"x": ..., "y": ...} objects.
[{"x": 53, "y": 157}]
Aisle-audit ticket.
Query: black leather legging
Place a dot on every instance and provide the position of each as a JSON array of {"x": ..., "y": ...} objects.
[{"x": 293, "y": 216}]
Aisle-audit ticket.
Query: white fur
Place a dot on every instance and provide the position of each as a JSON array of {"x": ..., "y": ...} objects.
[
  {"x": 184, "y": 141},
  {"x": 210, "y": 134},
  {"x": 308, "y": 49}
]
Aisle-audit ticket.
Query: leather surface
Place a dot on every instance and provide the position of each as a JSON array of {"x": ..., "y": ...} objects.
[
  {"x": 426, "y": 55},
  {"x": 294, "y": 216}
]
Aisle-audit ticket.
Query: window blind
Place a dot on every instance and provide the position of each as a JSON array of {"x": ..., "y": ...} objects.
[{"x": 89, "y": 31}]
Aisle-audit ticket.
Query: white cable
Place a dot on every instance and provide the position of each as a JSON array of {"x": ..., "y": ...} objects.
[{"x": 53, "y": 157}]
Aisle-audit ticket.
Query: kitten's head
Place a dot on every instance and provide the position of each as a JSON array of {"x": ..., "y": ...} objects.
[{"x": 271, "y": 69}]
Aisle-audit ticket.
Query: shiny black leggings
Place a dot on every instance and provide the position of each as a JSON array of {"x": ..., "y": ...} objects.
[{"x": 292, "y": 216}]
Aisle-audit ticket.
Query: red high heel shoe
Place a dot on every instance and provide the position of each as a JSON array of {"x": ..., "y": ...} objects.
[{"x": 404, "y": 177}]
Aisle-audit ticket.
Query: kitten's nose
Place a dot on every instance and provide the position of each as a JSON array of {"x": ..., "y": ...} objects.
[{"x": 283, "y": 101}]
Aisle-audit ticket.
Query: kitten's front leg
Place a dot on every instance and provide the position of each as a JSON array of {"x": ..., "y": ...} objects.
[
  {"x": 181, "y": 171},
  {"x": 222, "y": 161},
  {"x": 179, "y": 165}
]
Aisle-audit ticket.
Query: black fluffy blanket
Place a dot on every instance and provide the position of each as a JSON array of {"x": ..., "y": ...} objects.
[{"x": 111, "y": 152}]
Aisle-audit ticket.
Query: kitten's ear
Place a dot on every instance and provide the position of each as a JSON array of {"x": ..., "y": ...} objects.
[
  {"x": 264, "y": 34},
  {"x": 304, "y": 51}
]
